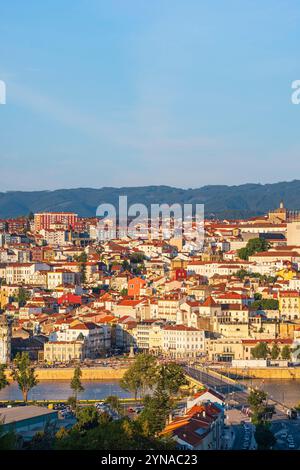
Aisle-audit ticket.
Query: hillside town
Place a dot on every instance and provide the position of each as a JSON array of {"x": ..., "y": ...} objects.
[
  {"x": 65, "y": 296},
  {"x": 68, "y": 299}
]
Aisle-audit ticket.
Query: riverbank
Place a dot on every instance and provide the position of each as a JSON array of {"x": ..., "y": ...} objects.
[
  {"x": 276, "y": 373},
  {"x": 66, "y": 373}
]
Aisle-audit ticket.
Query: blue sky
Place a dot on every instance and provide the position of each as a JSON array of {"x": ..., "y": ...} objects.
[{"x": 138, "y": 92}]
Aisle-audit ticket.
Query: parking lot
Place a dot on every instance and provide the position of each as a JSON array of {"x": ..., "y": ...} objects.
[{"x": 132, "y": 411}]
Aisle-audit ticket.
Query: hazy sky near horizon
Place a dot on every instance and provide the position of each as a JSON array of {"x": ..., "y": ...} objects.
[{"x": 138, "y": 92}]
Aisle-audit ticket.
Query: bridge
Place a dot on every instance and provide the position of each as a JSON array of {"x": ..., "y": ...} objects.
[
  {"x": 218, "y": 382},
  {"x": 232, "y": 390}
]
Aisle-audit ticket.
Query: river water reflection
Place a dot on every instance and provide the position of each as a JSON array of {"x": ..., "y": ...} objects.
[
  {"x": 287, "y": 391},
  {"x": 58, "y": 390}
]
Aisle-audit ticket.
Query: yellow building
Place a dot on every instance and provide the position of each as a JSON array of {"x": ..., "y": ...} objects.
[
  {"x": 63, "y": 351},
  {"x": 7, "y": 291},
  {"x": 155, "y": 339},
  {"x": 226, "y": 349},
  {"x": 286, "y": 330},
  {"x": 178, "y": 263},
  {"x": 286, "y": 274},
  {"x": 231, "y": 330},
  {"x": 278, "y": 215},
  {"x": 289, "y": 304}
]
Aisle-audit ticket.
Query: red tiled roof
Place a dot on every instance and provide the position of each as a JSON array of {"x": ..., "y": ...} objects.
[
  {"x": 180, "y": 328},
  {"x": 209, "y": 302}
]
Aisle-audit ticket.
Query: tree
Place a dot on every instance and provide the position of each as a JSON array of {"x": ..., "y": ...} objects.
[
  {"x": 72, "y": 402},
  {"x": 62, "y": 433},
  {"x": 8, "y": 440},
  {"x": 265, "y": 304},
  {"x": 137, "y": 262},
  {"x": 137, "y": 258},
  {"x": 76, "y": 384},
  {"x": 257, "y": 400},
  {"x": 82, "y": 260},
  {"x": 114, "y": 402},
  {"x": 122, "y": 434},
  {"x": 87, "y": 418},
  {"x": 83, "y": 272},
  {"x": 3, "y": 380},
  {"x": 243, "y": 253},
  {"x": 142, "y": 375},
  {"x": 255, "y": 245},
  {"x": 260, "y": 351},
  {"x": 275, "y": 351},
  {"x": 22, "y": 297},
  {"x": 24, "y": 374},
  {"x": 241, "y": 273},
  {"x": 171, "y": 378},
  {"x": 156, "y": 410},
  {"x": 286, "y": 352},
  {"x": 43, "y": 440},
  {"x": 131, "y": 382},
  {"x": 264, "y": 437},
  {"x": 126, "y": 265}
]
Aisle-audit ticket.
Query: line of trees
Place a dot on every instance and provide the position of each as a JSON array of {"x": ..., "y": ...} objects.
[
  {"x": 262, "y": 351},
  {"x": 242, "y": 273},
  {"x": 264, "y": 304}
]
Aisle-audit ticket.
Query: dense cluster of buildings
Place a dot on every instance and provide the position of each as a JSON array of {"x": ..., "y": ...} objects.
[{"x": 67, "y": 296}]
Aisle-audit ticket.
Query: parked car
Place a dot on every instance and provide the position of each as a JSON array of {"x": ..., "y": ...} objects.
[
  {"x": 139, "y": 409},
  {"x": 102, "y": 406},
  {"x": 292, "y": 413}
]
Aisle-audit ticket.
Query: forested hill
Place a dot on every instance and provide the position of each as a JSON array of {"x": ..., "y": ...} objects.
[{"x": 246, "y": 200}]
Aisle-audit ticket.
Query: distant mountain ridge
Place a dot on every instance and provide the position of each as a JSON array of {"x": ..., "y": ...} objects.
[{"x": 246, "y": 200}]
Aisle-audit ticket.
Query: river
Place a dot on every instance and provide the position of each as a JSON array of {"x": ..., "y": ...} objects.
[
  {"x": 58, "y": 390},
  {"x": 286, "y": 391}
]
